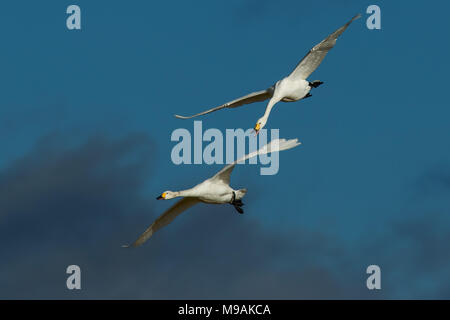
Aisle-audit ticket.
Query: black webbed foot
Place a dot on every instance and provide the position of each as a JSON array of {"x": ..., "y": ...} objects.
[
  {"x": 315, "y": 83},
  {"x": 307, "y": 96},
  {"x": 237, "y": 204},
  {"x": 239, "y": 209}
]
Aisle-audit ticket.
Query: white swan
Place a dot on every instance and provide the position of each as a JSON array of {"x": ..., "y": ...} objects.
[
  {"x": 214, "y": 190},
  {"x": 291, "y": 88}
]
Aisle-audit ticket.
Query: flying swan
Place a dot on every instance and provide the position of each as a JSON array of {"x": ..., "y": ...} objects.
[
  {"x": 215, "y": 190},
  {"x": 293, "y": 87}
]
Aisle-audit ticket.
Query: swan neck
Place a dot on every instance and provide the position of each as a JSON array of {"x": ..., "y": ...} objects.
[
  {"x": 270, "y": 105},
  {"x": 185, "y": 193}
]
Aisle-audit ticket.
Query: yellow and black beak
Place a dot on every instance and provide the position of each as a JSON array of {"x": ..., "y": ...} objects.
[
  {"x": 163, "y": 196},
  {"x": 257, "y": 128}
]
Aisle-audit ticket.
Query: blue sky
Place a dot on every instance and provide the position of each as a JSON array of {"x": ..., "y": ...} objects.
[{"x": 92, "y": 110}]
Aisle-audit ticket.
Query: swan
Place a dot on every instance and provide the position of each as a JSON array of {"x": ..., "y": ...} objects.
[
  {"x": 215, "y": 190},
  {"x": 291, "y": 88}
]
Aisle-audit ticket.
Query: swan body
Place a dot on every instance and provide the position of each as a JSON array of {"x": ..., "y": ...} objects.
[
  {"x": 286, "y": 90},
  {"x": 209, "y": 191},
  {"x": 215, "y": 190},
  {"x": 291, "y": 88}
]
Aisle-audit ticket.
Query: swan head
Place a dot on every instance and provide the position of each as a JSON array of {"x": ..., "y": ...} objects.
[
  {"x": 166, "y": 195},
  {"x": 261, "y": 123}
]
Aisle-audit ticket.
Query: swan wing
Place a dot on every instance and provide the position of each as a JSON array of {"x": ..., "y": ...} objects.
[
  {"x": 224, "y": 174},
  {"x": 249, "y": 98},
  {"x": 315, "y": 56},
  {"x": 274, "y": 146},
  {"x": 164, "y": 219}
]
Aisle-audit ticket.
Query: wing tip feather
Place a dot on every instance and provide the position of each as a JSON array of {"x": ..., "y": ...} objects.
[{"x": 356, "y": 17}]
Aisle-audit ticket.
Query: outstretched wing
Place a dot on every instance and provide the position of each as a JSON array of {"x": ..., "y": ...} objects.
[
  {"x": 274, "y": 146},
  {"x": 164, "y": 219},
  {"x": 250, "y": 98},
  {"x": 315, "y": 56},
  {"x": 224, "y": 174}
]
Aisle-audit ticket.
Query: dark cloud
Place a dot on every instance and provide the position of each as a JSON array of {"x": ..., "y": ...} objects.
[
  {"x": 63, "y": 205},
  {"x": 77, "y": 204},
  {"x": 413, "y": 255},
  {"x": 415, "y": 246},
  {"x": 435, "y": 181}
]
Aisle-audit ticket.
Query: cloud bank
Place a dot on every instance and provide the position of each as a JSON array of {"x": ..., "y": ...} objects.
[{"x": 77, "y": 204}]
